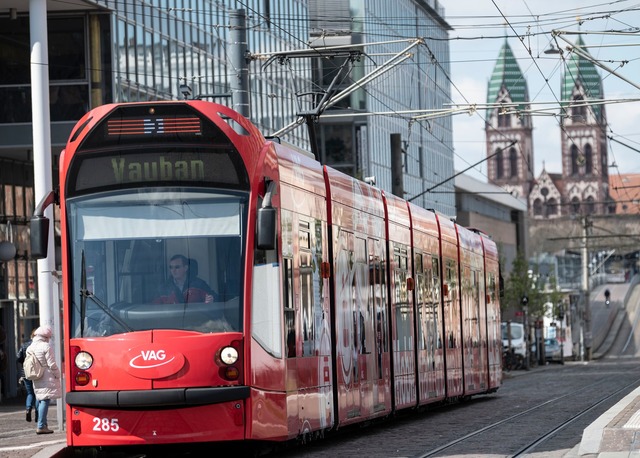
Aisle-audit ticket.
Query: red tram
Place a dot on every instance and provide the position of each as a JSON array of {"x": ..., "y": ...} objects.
[{"x": 308, "y": 301}]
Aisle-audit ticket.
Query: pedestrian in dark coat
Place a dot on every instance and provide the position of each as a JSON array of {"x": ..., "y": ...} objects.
[{"x": 28, "y": 384}]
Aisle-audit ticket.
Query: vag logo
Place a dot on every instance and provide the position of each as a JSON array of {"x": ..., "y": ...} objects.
[
  {"x": 153, "y": 355},
  {"x": 152, "y": 361},
  {"x": 150, "y": 358}
]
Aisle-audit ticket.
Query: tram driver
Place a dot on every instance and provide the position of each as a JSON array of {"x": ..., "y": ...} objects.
[{"x": 183, "y": 285}]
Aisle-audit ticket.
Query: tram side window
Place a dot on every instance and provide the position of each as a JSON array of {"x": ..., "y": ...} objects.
[
  {"x": 471, "y": 306},
  {"x": 435, "y": 297},
  {"x": 306, "y": 298},
  {"x": 289, "y": 311},
  {"x": 377, "y": 298},
  {"x": 306, "y": 289},
  {"x": 421, "y": 294},
  {"x": 362, "y": 314},
  {"x": 450, "y": 301},
  {"x": 476, "y": 304},
  {"x": 429, "y": 309},
  {"x": 491, "y": 290},
  {"x": 403, "y": 306},
  {"x": 492, "y": 306},
  {"x": 467, "y": 305}
]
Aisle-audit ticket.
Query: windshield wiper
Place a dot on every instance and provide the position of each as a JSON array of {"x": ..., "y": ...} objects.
[
  {"x": 83, "y": 298},
  {"x": 85, "y": 293}
]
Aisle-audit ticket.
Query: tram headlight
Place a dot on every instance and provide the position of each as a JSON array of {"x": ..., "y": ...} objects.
[
  {"x": 229, "y": 355},
  {"x": 84, "y": 360}
]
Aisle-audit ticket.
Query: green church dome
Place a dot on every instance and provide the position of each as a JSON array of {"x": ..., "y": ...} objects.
[
  {"x": 507, "y": 73},
  {"x": 581, "y": 70}
]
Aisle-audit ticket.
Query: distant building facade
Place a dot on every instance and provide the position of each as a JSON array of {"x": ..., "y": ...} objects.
[
  {"x": 583, "y": 185},
  {"x": 496, "y": 212},
  {"x": 509, "y": 127},
  {"x": 359, "y": 144},
  {"x": 107, "y": 51},
  {"x": 111, "y": 51}
]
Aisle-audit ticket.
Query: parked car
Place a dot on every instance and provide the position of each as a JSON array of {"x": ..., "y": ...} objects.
[
  {"x": 517, "y": 338},
  {"x": 553, "y": 351}
]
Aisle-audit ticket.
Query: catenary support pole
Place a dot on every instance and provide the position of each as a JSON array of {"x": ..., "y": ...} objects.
[
  {"x": 238, "y": 57},
  {"x": 585, "y": 287},
  {"x": 48, "y": 299},
  {"x": 42, "y": 147},
  {"x": 397, "y": 185}
]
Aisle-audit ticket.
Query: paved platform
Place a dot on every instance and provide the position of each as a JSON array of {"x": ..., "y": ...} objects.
[
  {"x": 18, "y": 438},
  {"x": 616, "y": 434}
]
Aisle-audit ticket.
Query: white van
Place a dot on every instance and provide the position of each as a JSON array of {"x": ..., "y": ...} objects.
[{"x": 517, "y": 338}]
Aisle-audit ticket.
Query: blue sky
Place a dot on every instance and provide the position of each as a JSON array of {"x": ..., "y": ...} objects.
[{"x": 479, "y": 32}]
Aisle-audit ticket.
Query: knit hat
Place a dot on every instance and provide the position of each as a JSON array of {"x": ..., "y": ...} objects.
[{"x": 44, "y": 331}]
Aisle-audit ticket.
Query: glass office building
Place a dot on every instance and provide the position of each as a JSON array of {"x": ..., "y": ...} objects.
[
  {"x": 356, "y": 137},
  {"x": 104, "y": 51}
]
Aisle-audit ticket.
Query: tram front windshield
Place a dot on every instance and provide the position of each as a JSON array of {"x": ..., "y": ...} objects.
[{"x": 156, "y": 259}]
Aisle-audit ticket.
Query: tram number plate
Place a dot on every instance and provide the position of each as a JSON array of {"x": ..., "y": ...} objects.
[{"x": 106, "y": 424}]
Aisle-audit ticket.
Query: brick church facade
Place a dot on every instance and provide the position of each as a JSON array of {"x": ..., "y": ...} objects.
[{"x": 583, "y": 186}]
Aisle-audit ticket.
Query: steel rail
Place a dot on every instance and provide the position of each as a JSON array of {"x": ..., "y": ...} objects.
[
  {"x": 552, "y": 432},
  {"x": 527, "y": 411}
]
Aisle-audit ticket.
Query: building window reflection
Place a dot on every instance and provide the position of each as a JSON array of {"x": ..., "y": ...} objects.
[
  {"x": 69, "y": 86},
  {"x": 16, "y": 205}
]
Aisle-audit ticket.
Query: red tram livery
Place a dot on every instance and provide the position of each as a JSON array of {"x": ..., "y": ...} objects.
[{"x": 307, "y": 300}]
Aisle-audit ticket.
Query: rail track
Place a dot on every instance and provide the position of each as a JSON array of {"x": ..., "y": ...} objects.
[
  {"x": 543, "y": 411},
  {"x": 554, "y": 430}
]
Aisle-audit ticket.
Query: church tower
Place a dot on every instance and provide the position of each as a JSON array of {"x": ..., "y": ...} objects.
[
  {"x": 583, "y": 135},
  {"x": 509, "y": 165}
]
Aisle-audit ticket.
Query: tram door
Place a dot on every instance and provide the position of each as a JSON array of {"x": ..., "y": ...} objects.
[
  {"x": 429, "y": 340},
  {"x": 377, "y": 313}
]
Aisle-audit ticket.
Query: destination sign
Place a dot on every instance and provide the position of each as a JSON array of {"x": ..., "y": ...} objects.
[
  {"x": 162, "y": 169},
  {"x": 221, "y": 167}
]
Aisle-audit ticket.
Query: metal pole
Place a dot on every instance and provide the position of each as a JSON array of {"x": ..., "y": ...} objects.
[
  {"x": 563, "y": 313},
  {"x": 42, "y": 145},
  {"x": 585, "y": 289},
  {"x": 527, "y": 337},
  {"x": 238, "y": 58},
  {"x": 397, "y": 186},
  {"x": 42, "y": 180}
]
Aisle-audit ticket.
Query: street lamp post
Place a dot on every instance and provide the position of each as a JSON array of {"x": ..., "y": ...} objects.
[
  {"x": 525, "y": 312},
  {"x": 561, "y": 338},
  {"x": 585, "y": 289}
]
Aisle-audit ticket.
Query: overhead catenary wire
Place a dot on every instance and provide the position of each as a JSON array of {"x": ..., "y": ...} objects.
[
  {"x": 181, "y": 14},
  {"x": 554, "y": 17},
  {"x": 533, "y": 57},
  {"x": 563, "y": 104}
]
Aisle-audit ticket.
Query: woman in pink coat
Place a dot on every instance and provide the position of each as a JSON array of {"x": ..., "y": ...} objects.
[{"x": 48, "y": 387}]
